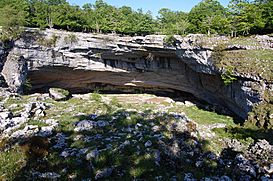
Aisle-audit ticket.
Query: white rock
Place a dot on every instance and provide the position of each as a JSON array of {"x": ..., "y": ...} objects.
[
  {"x": 103, "y": 173},
  {"x": 5, "y": 115},
  {"x": 92, "y": 154},
  {"x": 148, "y": 143}
]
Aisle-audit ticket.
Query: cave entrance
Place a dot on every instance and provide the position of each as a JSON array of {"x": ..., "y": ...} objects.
[{"x": 122, "y": 91}]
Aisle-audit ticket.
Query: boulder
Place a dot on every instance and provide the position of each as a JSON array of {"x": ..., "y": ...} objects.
[{"x": 58, "y": 94}]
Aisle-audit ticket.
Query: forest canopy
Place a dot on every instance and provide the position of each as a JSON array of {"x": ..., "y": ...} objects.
[{"x": 241, "y": 17}]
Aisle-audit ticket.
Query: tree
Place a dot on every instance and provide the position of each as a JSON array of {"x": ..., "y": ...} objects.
[
  {"x": 171, "y": 22},
  {"x": 44, "y": 12},
  {"x": 203, "y": 17},
  {"x": 247, "y": 17},
  {"x": 266, "y": 8},
  {"x": 12, "y": 19}
]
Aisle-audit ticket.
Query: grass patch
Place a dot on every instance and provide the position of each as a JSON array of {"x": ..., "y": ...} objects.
[
  {"x": 257, "y": 62},
  {"x": 245, "y": 135},
  {"x": 206, "y": 117},
  {"x": 37, "y": 123},
  {"x": 11, "y": 162}
]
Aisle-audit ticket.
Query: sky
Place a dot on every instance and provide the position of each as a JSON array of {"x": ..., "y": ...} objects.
[{"x": 152, "y": 5}]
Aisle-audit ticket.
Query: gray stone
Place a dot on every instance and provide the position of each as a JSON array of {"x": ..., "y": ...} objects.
[
  {"x": 225, "y": 178},
  {"x": 15, "y": 71},
  {"x": 103, "y": 173},
  {"x": 47, "y": 175},
  {"x": 157, "y": 157},
  {"x": 148, "y": 143},
  {"x": 102, "y": 124},
  {"x": 5, "y": 115},
  {"x": 92, "y": 154},
  {"x": 58, "y": 94},
  {"x": 46, "y": 131},
  {"x": 85, "y": 125},
  {"x": 60, "y": 141},
  {"x": 189, "y": 177}
]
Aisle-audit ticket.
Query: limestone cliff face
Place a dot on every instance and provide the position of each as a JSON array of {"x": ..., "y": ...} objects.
[{"x": 81, "y": 62}]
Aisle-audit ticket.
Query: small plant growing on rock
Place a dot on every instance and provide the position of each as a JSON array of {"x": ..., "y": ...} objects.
[
  {"x": 96, "y": 96},
  {"x": 27, "y": 86},
  {"x": 49, "y": 42},
  {"x": 261, "y": 115},
  {"x": 114, "y": 102},
  {"x": 228, "y": 77},
  {"x": 169, "y": 40},
  {"x": 71, "y": 38}
]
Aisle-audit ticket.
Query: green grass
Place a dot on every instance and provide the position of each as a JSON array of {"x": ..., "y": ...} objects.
[
  {"x": 256, "y": 62},
  {"x": 206, "y": 117},
  {"x": 246, "y": 41},
  {"x": 245, "y": 135},
  {"x": 11, "y": 162},
  {"x": 37, "y": 122}
]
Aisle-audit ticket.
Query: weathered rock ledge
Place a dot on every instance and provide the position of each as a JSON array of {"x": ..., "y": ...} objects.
[{"x": 82, "y": 62}]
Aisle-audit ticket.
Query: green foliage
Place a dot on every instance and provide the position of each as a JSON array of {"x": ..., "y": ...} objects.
[
  {"x": 246, "y": 17},
  {"x": 209, "y": 16},
  {"x": 258, "y": 62},
  {"x": 204, "y": 117},
  {"x": 218, "y": 54},
  {"x": 96, "y": 96},
  {"x": 13, "y": 17},
  {"x": 171, "y": 22},
  {"x": 218, "y": 58},
  {"x": 11, "y": 162},
  {"x": 114, "y": 102},
  {"x": 246, "y": 135},
  {"x": 169, "y": 40},
  {"x": 27, "y": 86},
  {"x": 227, "y": 76}
]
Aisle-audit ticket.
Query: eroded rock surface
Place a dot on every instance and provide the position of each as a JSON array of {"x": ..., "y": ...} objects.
[{"x": 112, "y": 62}]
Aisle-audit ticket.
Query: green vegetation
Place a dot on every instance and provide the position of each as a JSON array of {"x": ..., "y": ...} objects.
[
  {"x": 13, "y": 17},
  {"x": 228, "y": 77},
  {"x": 27, "y": 86},
  {"x": 170, "y": 40},
  {"x": 261, "y": 115},
  {"x": 245, "y": 135},
  {"x": 50, "y": 42},
  {"x": 121, "y": 112},
  {"x": 71, "y": 38},
  {"x": 206, "y": 117},
  {"x": 11, "y": 162},
  {"x": 209, "y": 16},
  {"x": 254, "y": 62}
]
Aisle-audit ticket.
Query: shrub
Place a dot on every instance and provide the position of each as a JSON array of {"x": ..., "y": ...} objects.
[
  {"x": 218, "y": 54},
  {"x": 71, "y": 38},
  {"x": 114, "y": 102},
  {"x": 228, "y": 77},
  {"x": 27, "y": 86},
  {"x": 49, "y": 42},
  {"x": 96, "y": 96}
]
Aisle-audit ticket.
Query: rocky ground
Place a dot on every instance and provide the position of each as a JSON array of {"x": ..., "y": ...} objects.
[{"x": 126, "y": 137}]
